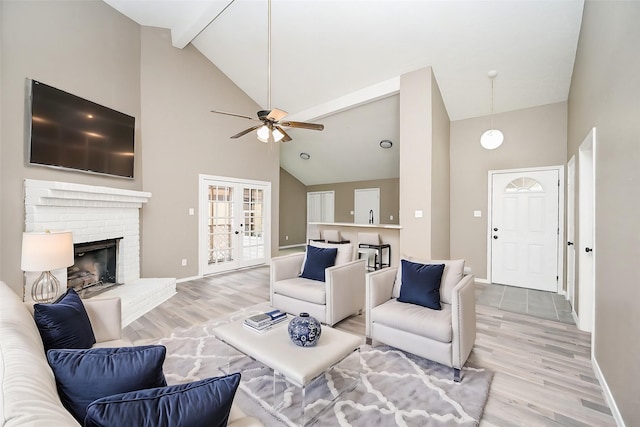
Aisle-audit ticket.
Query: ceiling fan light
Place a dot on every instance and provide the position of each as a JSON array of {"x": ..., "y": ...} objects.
[
  {"x": 263, "y": 133},
  {"x": 277, "y": 135},
  {"x": 491, "y": 139}
]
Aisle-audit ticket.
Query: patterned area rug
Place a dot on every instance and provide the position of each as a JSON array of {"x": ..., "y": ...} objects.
[{"x": 393, "y": 388}]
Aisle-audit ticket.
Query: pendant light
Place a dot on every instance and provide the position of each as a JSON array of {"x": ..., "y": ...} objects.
[{"x": 492, "y": 138}]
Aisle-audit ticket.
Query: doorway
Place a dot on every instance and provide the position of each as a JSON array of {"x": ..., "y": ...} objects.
[
  {"x": 524, "y": 244},
  {"x": 366, "y": 203},
  {"x": 320, "y": 206},
  {"x": 586, "y": 234},
  {"x": 571, "y": 220},
  {"x": 235, "y": 223}
]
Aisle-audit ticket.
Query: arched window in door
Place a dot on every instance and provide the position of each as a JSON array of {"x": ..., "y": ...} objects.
[{"x": 524, "y": 185}]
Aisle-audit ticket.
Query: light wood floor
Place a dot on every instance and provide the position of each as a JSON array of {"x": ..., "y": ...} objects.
[{"x": 543, "y": 374}]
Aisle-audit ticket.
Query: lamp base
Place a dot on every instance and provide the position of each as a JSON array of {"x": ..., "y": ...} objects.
[{"x": 45, "y": 289}]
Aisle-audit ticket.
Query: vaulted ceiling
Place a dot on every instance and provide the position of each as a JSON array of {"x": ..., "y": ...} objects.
[{"x": 337, "y": 62}]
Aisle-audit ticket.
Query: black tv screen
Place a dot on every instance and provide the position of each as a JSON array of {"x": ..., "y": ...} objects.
[{"x": 73, "y": 133}]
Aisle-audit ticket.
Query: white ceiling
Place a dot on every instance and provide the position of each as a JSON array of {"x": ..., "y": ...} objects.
[{"x": 332, "y": 58}]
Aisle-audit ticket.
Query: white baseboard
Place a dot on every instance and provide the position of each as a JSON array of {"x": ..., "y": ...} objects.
[
  {"x": 292, "y": 246},
  {"x": 607, "y": 393},
  {"x": 485, "y": 281},
  {"x": 186, "y": 279}
]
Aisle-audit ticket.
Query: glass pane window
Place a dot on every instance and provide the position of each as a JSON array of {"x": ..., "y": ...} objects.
[{"x": 524, "y": 185}]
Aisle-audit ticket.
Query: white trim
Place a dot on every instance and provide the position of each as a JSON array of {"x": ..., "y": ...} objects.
[
  {"x": 607, "y": 393},
  {"x": 561, "y": 214},
  {"x": 188, "y": 279},
  {"x": 292, "y": 246},
  {"x": 485, "y": 281}
]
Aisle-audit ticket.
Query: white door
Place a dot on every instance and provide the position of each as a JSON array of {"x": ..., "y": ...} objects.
[
  {"x": 571, "y": 249},
  {"x": 586, "y": 232},
  {"x": 235, "y": 224},
  {"x": 524, "y": 229},
  {"x": 320, "y": 206},
  {"x": 367, "y": 206}
]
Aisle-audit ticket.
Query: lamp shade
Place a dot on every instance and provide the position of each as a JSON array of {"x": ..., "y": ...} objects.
[
  {"x": 491, "y": 139},
  {"x": 47, "y": 251}
]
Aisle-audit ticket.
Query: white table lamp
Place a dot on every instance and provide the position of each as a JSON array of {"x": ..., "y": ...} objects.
[{"x": 46, "y": 251}]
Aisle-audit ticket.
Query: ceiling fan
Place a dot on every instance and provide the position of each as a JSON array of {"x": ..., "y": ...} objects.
[{"x": 270, "y": 128}]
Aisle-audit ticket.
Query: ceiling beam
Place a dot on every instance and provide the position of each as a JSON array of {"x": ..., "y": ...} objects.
[
  {"x": 363, "y": 96},
  {"x": 183, "y": 33}
]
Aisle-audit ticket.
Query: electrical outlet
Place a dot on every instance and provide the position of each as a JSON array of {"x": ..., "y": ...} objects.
[
  {"x": 418, "y": 214},
  {"x": 184, "y": 262},
  {"x": 390, "y": 217},
  {"x": 477, "y": 214},
  {"x": 286, "y": 237},
  {"x": 191, "y": 212}
]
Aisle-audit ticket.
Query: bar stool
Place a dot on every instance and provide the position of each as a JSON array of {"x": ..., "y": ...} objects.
[
  {"x": 369, "y": 245},
  {"x": 333, "y": 236}
]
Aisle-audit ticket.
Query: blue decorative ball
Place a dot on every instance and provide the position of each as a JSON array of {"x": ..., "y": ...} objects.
[{"x": 304, "y": 330}]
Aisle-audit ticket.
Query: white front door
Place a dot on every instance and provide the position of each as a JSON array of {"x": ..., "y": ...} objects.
[
  {"x": 525, "y": 229},
  {"x": 235, "y": 224},
  {"x": 367, "y": 206}
]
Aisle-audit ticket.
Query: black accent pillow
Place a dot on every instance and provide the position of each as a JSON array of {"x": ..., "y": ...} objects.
[
  {"x": 64, "y": 323},
  {"x": 204, "y": 403},
  {"x": 83, "y": 376},
  {"x": 421, "y": 284},
  {"x": 317, "y": 260}
]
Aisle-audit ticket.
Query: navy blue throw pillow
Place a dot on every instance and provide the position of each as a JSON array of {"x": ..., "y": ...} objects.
[
  {"x": 421, "y": 284},
  {"x": 64, "y": 323},
  {"x": 317, "y": 260},
  {"x": 204, "y": 403},
  {"x": 83, "y": 376}
]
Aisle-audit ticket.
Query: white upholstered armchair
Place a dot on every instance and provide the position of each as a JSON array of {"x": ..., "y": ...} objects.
[
  {"x": 339, "y": 296},
  {"x": 445, "y": 336}
]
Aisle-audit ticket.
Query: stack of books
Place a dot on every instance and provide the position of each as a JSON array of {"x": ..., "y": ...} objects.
[{"x": 264, "y": 321}]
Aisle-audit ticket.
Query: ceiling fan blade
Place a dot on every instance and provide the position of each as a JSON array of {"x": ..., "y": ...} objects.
[
  {"x": 286, "y": 137},
  {"x": 234, "y": 115},
  {"x": 276, "y": 115},
  {"x": 303, "y": 125},
  {"x": 246, "y": 131}
]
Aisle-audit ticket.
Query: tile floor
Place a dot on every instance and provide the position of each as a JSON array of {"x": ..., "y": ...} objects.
[{"x": 547, "y": 305}]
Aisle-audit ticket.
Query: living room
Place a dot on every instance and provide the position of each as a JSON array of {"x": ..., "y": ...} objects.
[{"x": 171, "y": 91}]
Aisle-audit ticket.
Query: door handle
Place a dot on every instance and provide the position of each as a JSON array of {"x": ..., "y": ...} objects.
[
  {"x": 237, "y": 232},
  {"x": 495, "y": 229},
  {"x": 569, "y": 243},
  {"x": 587, "y": 250},
  {"x": 495, "y": 237}
]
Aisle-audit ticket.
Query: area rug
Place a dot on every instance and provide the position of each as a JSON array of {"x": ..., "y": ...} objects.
[{"x": 393, "y": 388}]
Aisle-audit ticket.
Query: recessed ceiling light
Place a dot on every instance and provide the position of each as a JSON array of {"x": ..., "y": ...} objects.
[
  {"x": 385, "y": 143},
  {"x": 305, "y": 156}
]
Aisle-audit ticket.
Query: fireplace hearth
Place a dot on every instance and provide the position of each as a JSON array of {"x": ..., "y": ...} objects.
[{"x": 95, "y": 267}]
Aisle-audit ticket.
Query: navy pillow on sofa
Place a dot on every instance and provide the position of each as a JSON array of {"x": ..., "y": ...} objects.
[
  {"x": 83, "y": 376},
  {"x": 421, "y": 284},
  {"x": 317, "y": 260},
  {"x": 64, "y": 323},
  {"x": 204, "y": 403}
]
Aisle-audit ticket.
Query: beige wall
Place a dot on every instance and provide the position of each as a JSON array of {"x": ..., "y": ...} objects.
[
  {"x": 86, "y": 48},
  {"x": 345, "y": 195},
  {"x": 424, "y": 167},
  {"x": 533, "y": 137},
  {"x": 605, "y": 93},
  {"x": 440, "y": 175},
  {"x": 293, "y": 210},
  {"x": 184, "y": 139},
  {"x": 89, "y": 49}
]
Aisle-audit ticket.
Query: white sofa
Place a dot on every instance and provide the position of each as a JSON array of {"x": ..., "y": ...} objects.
[
  {"x": 339, "y": 296},
  {"x": 445, "y": 336},
  {"x": 28, "y": 394}
]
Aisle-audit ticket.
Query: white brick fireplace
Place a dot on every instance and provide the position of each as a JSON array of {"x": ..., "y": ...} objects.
[{"x": 94, "y": 213}]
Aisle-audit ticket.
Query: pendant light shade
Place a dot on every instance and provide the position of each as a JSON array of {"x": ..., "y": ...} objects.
[{"x": 492, "y": 138}]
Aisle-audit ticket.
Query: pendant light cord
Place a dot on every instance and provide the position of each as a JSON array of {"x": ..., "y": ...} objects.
[{"x": 492, "y": 79}]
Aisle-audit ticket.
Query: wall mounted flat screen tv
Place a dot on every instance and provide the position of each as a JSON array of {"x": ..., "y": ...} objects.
[{"x": 73, "y": 133}]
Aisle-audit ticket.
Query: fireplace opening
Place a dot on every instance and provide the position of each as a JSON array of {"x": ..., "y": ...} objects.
[{"x": 95, "y": 267}]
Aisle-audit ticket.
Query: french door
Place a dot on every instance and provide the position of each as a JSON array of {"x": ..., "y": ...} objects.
[
  {"x": 234, "y": 223},
  {"x": 525, "y": 229}
]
